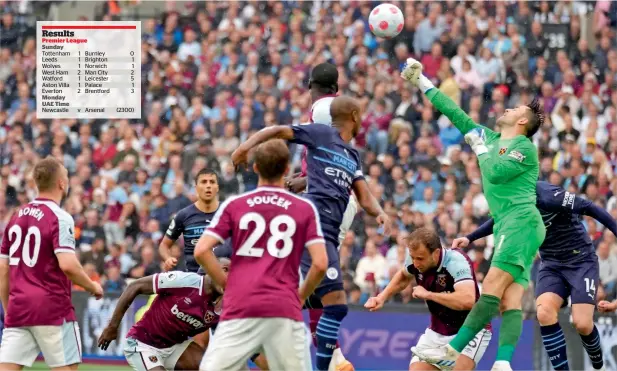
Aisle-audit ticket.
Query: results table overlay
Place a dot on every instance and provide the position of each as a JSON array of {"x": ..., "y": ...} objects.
[{"x": 88, "y": 70}]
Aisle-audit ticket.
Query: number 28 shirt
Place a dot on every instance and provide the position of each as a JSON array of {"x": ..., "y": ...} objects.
[{"x": 269, "y": 229}]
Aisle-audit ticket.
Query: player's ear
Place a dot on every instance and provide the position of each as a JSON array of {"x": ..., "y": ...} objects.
[
  {"x": 355, "y": 115},
  {"x": 255, "y": 168}
]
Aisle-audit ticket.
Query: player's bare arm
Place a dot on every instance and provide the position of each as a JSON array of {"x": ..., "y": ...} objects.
[
  {"x": 319, "y": 264},
  {"x": 169, "y": 262},
  {"x": 75, "y": 272},
  {"x": 370, "y": 204},
  {"x": 399, "y": 282},
  {"x": 204, "y": 254},
  {"x": 296, "y": 184},
  {"x": 463, "y": 297},
  {"x": 4, "y": 282},
  {"x": 142, "y": 286},
  {"x": 240, "y": 155}
]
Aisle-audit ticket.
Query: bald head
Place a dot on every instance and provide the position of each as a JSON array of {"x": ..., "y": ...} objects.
[{"x": 345, "y": 113}]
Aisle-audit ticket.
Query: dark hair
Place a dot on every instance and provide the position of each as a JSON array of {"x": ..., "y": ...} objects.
[
  {"x": 324, "y": 79},
  {"x": 424, "y": 237},
  {"x": 271, "y": 159},
  {"x": 206, "y": 171},
  {"x": 46, "y": 173},
  {"x": 535, "y": 119}
]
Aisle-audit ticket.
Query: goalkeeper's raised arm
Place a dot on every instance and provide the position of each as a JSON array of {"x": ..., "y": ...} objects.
[{"x": 413, "y": 73}]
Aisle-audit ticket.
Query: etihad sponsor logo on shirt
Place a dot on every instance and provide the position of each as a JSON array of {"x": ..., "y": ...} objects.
[
  {"x": 340, "y": 177},
  {"x": 186, "y": 317}
]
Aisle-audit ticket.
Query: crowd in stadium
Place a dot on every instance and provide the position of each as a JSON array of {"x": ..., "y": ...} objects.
[{"x": 215, "y": 72}]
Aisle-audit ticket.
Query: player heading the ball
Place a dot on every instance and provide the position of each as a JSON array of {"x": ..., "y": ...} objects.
[{"x": 270, "y": 229}]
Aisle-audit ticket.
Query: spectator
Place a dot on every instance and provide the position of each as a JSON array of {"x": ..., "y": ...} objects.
[
  {"x": 608, "y": 267},
  {"x": 371, "y": 268}
]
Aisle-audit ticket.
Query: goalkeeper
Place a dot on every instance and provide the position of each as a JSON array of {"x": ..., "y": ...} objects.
[{"x": 509, "y": 166}]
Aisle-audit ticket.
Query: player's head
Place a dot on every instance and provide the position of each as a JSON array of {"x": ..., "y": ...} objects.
[
  {"x": 424, "y": 248},
  {"x": 224, "y": 262},
  {"x": 207, "y": 185},
  {"x": 271, "y": 162},
  {"x": 324, "y": 80},
  {"x": 525, "y": 119},
  {"x": 51, "y": 178},
  {"x": 345, "y": 112}
]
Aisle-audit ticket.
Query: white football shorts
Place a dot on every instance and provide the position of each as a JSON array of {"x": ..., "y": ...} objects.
[
  {"x": 60, "y": 345},
  {"x": 348, "y": 217},
  {"x": 143, "y": 357},
  {"x": 284, "y": 342}
]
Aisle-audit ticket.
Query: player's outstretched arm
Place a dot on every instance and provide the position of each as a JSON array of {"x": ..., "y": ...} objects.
[
  {"x": 4, "y": 282},
  {"x": 370, "y": 204},
  {"x": 240, "y": 155},
  {"x": 75, "y": 272},
  {"x": 401, "y": 279},
  {"x": 204, "y": 255},
  {"x": 412, "y": 72},
  {"x": 142, "y": 286},
  {"x": 319, "y": 264},
  {"x": 557, "y": 199},
  {"x": 501, "y": 169}
]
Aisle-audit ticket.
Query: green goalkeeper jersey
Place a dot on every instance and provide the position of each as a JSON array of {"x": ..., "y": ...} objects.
[{"x": 509, "y": 170}]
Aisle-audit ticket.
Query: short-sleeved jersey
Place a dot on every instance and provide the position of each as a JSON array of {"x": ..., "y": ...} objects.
[
  {"x": 39, "y": 291},
  {"x": 454, "y": 267},
  {"x": 566, "y": 236},
  {"x": 191, "y": 223},
  {"x": 333, "y": 166},
  {"x": 181, "y": 309},
  {"x": 269, "y": 229}
]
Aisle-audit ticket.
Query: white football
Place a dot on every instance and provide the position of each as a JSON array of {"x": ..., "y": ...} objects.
[{"x": 386, "y": 20}]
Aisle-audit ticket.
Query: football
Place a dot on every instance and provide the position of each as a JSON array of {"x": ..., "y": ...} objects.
[{"x": 386, "y": 20}]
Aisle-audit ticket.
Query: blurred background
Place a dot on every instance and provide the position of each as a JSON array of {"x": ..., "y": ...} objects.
[{"x": 213, "y": 73}]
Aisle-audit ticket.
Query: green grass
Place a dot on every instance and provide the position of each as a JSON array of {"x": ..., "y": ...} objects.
[{"x": 84, "y": 367}]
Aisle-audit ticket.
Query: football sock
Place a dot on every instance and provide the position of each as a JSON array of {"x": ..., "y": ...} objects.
[
  {"x": 314, "y": 316},
  {"x": 555, "y": 345},
  {"x": 327, "y": 334},
  {"x": 509, "y": 333},
  {"x": 593, "y": 347},
  {"x": 480, "y": 315}
]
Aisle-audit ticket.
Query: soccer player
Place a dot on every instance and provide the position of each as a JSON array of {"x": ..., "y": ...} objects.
[
  {"x": 323, "y": 86},
  {"x": 509, "y": 166},
  {"x": 447, "y": 282},
  {"x": 569, "y": 269},
  {"x": 186, "y": 304},
  {"x": 334, "y": 169},
  {"x": 37, "y": 265},
  {"x": 192, "y": 221},
  {"x": 270, "y": 229}
]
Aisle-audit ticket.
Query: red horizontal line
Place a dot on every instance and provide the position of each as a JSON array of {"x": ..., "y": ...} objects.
[{"x": 89, "y": 27}]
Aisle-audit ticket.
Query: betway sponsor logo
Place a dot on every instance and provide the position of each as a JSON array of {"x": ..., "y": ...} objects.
[{"x": 185, "y": 317}]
